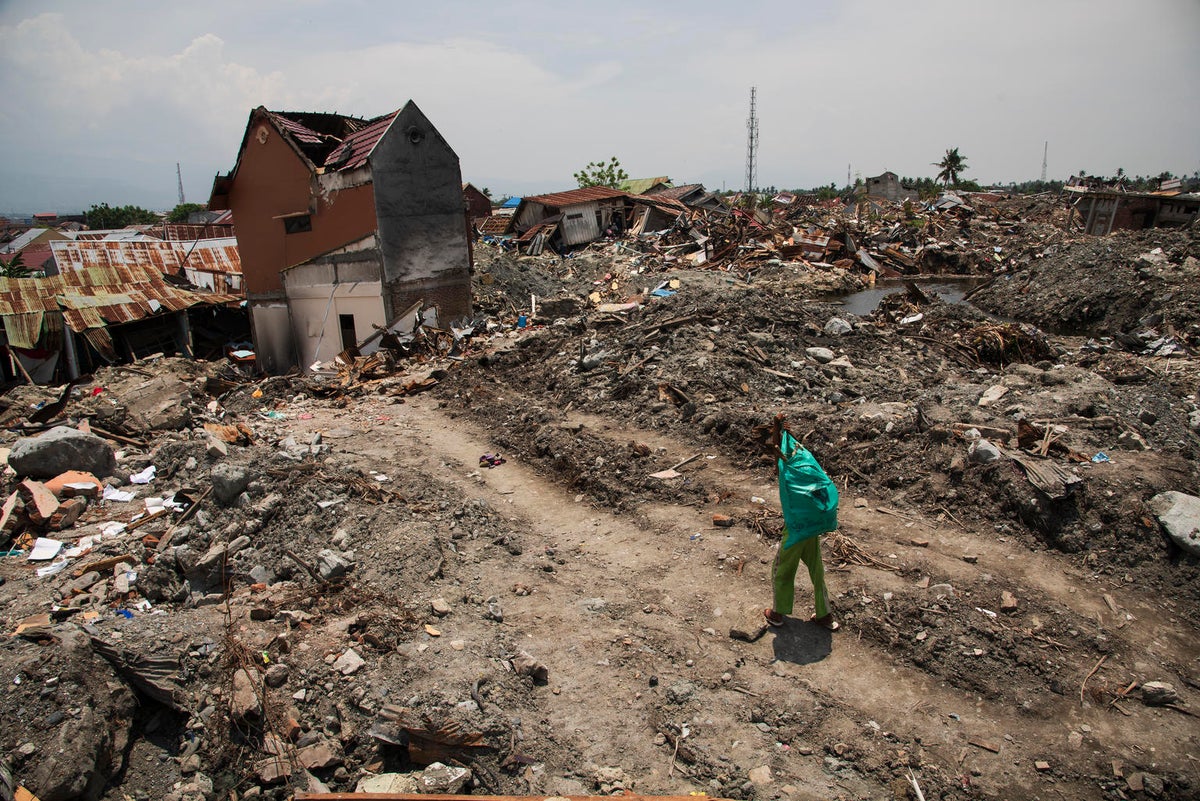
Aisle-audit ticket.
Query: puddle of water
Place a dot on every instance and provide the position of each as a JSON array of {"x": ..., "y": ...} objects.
[{"x": 865, "y": 301}]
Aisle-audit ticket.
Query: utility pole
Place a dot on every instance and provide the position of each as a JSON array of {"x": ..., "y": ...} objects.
[
  {"x": 179, "y": 175},
  {"x": 751, "y": 144},
  {"x": 1045, "y": 152}
]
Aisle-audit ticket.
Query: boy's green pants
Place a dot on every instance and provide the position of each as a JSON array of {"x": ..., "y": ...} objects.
[{"x": 787, "y": 560}]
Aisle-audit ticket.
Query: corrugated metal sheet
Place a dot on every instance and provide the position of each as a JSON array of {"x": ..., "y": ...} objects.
[
  {"x": 352, "y": 153},
  {"x": 587, "y": 194},
  {"x": 220, "y": 256}
]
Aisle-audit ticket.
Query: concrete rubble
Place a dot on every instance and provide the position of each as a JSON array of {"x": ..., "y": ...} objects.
[{"x": 283, "y": 606}]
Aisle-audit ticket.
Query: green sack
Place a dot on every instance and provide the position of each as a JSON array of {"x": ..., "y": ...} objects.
[{"x": 808, "y": 496}]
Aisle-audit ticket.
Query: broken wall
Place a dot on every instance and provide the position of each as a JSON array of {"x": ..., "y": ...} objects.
[
  {"x": 321, "y": 292},
  {"x": 273, "y": 347},
  {"x": 420, "y": 213}
]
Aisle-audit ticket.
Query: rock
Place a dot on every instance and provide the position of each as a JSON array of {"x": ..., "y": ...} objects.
[
  {"x": 1132, "y": 441},
  {"x": 244, "y": 703},
  {"x": 332, "y": 565},
  {"x": 992, "y": 394},
  {"x": 61, "y": 449},
  {"x": 983, "y": 452},
  {"x": 1179, "y": 515},
  {"x": 1158, "y": 693},
  {"x": 681, "y": 691},
  {"x": 1194, "y": 420},
  {"x": 77, "y": 760},
  {"x": 1041, "y": 766},
  {"x": 324, "y": 754},
  {"x": 228, "y": 482},
  {"x": 1008, "y": 602},
  {"x": 159, "y": 404},
  {"x": 820, "y": 355},
  {"x": 525, "y": 665},
  {"x": 258, "y": 573},
  {"x": 276, "y": 675},
  {"x": 444, "y": 779},
  {"x": 837, "y": 327},
  {"x": 215, "y": 448},
  {"x": 348, "y": 663},
  {"x": 494, "y": 610},
  {"x": 941, "y": 590},
  {"x": 440, "y": 607},
  {"x": 389, "y": 783},
  {"x": 761, "y": 776},
  {"x": 722, "y": 521},
  {"x": 273, "y": 769},
  {"x": 748, "y": 632}
]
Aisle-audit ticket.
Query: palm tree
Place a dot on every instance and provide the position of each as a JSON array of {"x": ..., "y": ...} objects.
[
  {"x": 14, "y": 267},
  {"x": 951, "y": 165}
]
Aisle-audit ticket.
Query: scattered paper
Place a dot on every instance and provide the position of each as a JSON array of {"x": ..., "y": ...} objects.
[
  {"x": 144, "y": 477},
  {"x": 112, "y": 529},
  {"x": 52, "y": 568},
  {"x": 80, "y": 548},
  {"x": 44, "y": 549},
  {"x": 120, "y": 496}
]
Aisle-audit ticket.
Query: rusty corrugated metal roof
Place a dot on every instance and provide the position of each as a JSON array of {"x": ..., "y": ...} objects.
[
  {"x": 165, "y": 258},
  {"x": 588, "y": 194}
]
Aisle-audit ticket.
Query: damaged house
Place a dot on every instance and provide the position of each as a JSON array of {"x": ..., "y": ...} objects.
[
  {"x": 567, "y": 219},
  {"x": 115, "y": 301},
  {"x": 343, "y": 223},
  {"x": 1101, "y": 209}
]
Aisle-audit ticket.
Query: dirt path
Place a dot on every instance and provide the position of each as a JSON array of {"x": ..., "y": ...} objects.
[{"x": 631, "y": 613}]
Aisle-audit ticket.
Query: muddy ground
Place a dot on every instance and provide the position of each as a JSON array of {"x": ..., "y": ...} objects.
[{"x": 364, "y": 596}]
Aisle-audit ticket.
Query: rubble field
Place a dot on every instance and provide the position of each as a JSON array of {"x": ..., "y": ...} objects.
[{"x": 534, "y": 562}]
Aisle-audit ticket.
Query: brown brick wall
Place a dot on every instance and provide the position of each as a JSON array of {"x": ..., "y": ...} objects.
[{"x": 452, "y": 296}]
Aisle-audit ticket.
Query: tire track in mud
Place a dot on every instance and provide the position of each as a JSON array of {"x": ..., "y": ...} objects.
[{"x": 625, "y": 559}]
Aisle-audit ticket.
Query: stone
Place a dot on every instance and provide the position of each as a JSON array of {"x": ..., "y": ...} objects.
[
  {"x": 1008, "y": 602},
  {"x": 1159, "y": 693},
  {"x": 215, "y": 448},
  {"x": 722, "y": 521},
  {"x": 820, "y": 355},
  {"x": 159, "y": 404},
  {"x": 61, "y": 449},
  {"x": 258, "y": 573},
  {"x": 983, "y": 452},
  {"x": 837, "y": 327},
  {"x": 1041, "y": 766},
  {"x": 228, "y": 482},
  {"x": 348, "y": 663},
  {"x": 992, "y": 394},
  {"x": 273, "y": 769},
  {"x": 244, "y": 702},
  {"x": 276, "y": 675},
  {"x": 681, "y": 691},
  {"x": 525, "y": 665},
  {"x": 761, "y": 776},
  {"x": 444, "y": 779},
  {"x": 1132, "y": 441},
  {"x": 1194, "y": 420},
  {"x": 941, "y": 590},
  {"x": 324, "y": 754},
  {"x": 332, "y": 565},
  {"x": 1179, "y": 515},
  {"x": 440, "y": 607},
  {"x": 388, "y": 783}
]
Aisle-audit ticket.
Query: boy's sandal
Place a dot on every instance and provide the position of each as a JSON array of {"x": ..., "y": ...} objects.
[
  {"x": 773, "y": 618},
  {"x": 826, "y": 622}
]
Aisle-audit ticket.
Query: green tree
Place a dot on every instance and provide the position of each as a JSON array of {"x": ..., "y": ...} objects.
[
  {"x": 14, "y": 267},
  {"x": 599, "y": 173},
  {"x": 105, "y": 216},
  {"x": 180, "y": 213},
  {"x": 951, "y": 165}
]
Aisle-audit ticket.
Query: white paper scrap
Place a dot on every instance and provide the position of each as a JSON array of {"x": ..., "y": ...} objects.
[
  {"x": 144, "y": 477},
  {"x": 44, "y": 549}
]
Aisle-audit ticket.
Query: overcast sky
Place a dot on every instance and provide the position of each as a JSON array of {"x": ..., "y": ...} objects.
[{"x": 100, "y": 100}]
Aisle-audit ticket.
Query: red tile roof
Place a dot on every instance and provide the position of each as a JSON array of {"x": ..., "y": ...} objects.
[
  {"x": 352, "y": 153},
  {"x": 588, "y": 194},
  {"x": 301, "y": 133}
]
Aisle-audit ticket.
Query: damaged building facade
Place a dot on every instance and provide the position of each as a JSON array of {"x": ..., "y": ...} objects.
[{"x": 343, "y": 223}]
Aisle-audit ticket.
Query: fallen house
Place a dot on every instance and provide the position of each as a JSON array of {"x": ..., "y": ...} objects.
[
  {"x": 1102, "y": 210},
  {"x": 695, "y": 196},
  {"x": 109, "y": 301},
  {"x": 478, "y": 204},
  {"x": 308, "y": 185},
  {"x": 575, "y": 217}
]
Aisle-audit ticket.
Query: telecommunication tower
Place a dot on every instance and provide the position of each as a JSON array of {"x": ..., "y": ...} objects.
[
  {"x": 751, "y": 144},
  {"x": 1045, "y": 152},
  {"x": 179, "y": 175}
]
